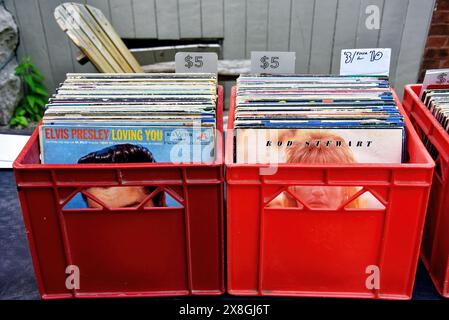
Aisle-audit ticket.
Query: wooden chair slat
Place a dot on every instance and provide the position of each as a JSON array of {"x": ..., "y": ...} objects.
[
  {"x": 81, "y": 41},
  {"x": 104, "y": 39},
  {"x": 85, "y": 31},
  {"x": 109, "y": 30}
]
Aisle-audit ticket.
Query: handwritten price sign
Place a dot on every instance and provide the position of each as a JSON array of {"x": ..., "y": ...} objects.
[
  {"x": 365, "y": 62},
  {"x": 206, "y": 62},
  {"x": 442, "y": 78},
  {"x": 435, "y": 76},
  {"x": 272, "y": 62}
]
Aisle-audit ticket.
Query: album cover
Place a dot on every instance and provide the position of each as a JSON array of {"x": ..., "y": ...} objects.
[
  {"x": 68, "y": 144},
  {"x": 320, "y": 146}
]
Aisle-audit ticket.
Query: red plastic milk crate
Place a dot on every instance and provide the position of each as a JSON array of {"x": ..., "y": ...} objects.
[
  {"x": 435, "y": 245},
  {"x": 301, "y": 252},
  {"x": 130, "y": 251}
]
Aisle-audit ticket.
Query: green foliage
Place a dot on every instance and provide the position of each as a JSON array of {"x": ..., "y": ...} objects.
[{"x": 35, "y": 95}]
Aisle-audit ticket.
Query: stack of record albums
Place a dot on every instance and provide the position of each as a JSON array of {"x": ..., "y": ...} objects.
[
  {"x": 437, "y": 101},
  {"x": 317, "y": 120},
  {"x": 168, "y": 117}
]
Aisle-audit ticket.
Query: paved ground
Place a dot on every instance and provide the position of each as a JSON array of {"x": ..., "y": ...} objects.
[{"x": 16, "y": 271}]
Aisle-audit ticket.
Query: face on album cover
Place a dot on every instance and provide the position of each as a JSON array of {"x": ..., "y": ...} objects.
[
  {"x": 108, "y": 145},
  {"x": 321, "y": 146}
]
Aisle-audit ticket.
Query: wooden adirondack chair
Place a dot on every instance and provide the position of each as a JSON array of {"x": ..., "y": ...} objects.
[{"x": 92, "y": 33}]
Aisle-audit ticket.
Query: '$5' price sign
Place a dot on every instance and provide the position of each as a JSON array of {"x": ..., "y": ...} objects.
[
  {"x": 435, "y": 77},
  {"x": 442, "y": 78},
  {"x": 196, "y": 61},
  {"x": 206, "y": 62},
  {"x": 272, "y": 62}
]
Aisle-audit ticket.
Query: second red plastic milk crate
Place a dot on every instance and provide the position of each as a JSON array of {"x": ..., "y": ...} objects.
[
  {"x": 435, "y": 246},
  {"x": 159, "y": 251},
  {"x": 332, "y": 253}
]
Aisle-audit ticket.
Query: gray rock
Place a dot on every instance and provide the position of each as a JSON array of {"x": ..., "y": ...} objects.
[
  {"x": 10, "y": 91},
  {"x": 10, "y": 84},
  {"x": 9, "y": 36}
]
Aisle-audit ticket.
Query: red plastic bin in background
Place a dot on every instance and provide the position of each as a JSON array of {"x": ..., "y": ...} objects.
[
  {"x": 326, "y": 253},
  {"x": 435, "y": 245},
  {"x": 124, "y": 252}
]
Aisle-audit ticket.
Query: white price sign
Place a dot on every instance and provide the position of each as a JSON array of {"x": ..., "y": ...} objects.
[
  {"x": 272, "y": 62},
  {"x": 199, "y": 62},
  {"x": 435, "y": 76},
  {"x": 365, "y": 62}
]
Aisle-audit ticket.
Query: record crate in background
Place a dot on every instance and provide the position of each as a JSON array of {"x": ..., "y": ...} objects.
[
  {"x": 126, "y": 252},
  {"x": 274, "y": 251},
  {"x": 435, "y": 245}
]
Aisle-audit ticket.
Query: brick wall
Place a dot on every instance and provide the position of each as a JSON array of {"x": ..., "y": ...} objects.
[{"x": 436, "y": 54}]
